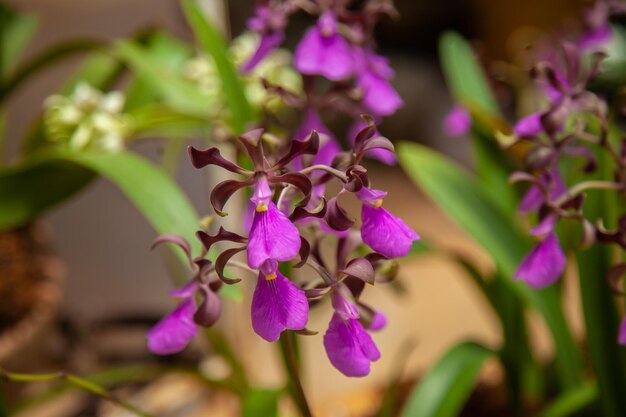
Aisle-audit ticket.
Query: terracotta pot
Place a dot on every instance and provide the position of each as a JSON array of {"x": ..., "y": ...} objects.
[{"x": 30, "y": 278}]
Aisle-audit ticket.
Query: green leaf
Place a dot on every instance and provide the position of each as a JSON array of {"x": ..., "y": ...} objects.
[
  {"x": 464, "y": 75},
  {"x": 181, "y": 94},
  {"x": 599, "y": 310},
  {"x": 260, "y": 402},
  {"x": 572, "y": 402},
  {"x": 446, "y": 387},
  {"x": 30, "y": 189},
  {"x": 215, "y": 45},
  {"x": 457, "y": 193},
  {"x": 15, "y": 32},
  {"x": 27, "y": 191}
]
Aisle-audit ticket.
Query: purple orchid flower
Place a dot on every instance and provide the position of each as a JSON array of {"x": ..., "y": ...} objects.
[
  {"x": 379, "y": 321},
  {"x": 529, "y": 125},
  {"x": 621, "y": 338},
  {"x": 277, "y": 305},
  {"x": 457, "y": 122},
  {"x": 329, "y": 147},
  {"x": 382, "y": 155},
  {"x": 272, "y": 235},
  {"x": 349, "y": 347},
  {"x": 381, "y": 230},
  {"x": 324, "y": 51},
  {"x": 379, "y": 96},
  {"x": 544, "y": 264},
  {"x": 534, "y": 197},
  {"x": 269, "y": 23}
]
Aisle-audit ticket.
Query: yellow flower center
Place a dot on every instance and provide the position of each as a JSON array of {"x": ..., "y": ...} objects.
[
  {"x": 378, "y": 203},
  {"x": 270, "y": 277},
  {"x": 261, "y": 208}
]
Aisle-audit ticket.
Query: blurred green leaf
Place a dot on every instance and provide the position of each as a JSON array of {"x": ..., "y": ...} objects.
[
  {"x": 159, "y": 120},
  {"x": 27, "y": 191},
  {"x": 260, "y": 402},
  {"x": 181, "y": 94},
  {"x": 30, "y": 189},
  {"x": 572, "y": 402},
  {"x": 464, "y": 75},
  {"x": 470, "y": 87},
  {"x": 446, "y": 387},
  {"x": 168, "y": 52},
  {"x": 599, "y": 310},
  {"x": 15, "y": 32},
  {"x": 457, "y": 193},
  {"x": 215, "y": 45}
]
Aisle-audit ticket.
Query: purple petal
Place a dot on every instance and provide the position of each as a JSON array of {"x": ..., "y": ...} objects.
[
  {"x": 269, "y": 42},
  {"x": 343, "y": 307},
  {"x": 174, "y": 331},
  {"x": 328, "y": 150},
  {"x": 534, "y": 198},
  {"x": 272, "y": 236},
  {"x": 349, "y": 347},
  {"x": 323, "y": 51},
  {"x": 311, "y": 121},
  {"x": 278, "y": 304},
  {"x": 544, "y": 264},
  {"x": 383, "y": 155},
  {"x": 458, "y": 121},
  {"x": 621, "y": 338},
  {"x": 596, "y": 38},
  {"x": 186, "y": 291},
  {"x": 369, "y": 195},
  {"x": 545, "y": 226},
  {"x": 378, "y": 94},
  {"x": 262, "y": 193},
  {"x": 529, "y": 125},
  {"x": 385, "y": 233},
  {"x": 379, "y": 321}
]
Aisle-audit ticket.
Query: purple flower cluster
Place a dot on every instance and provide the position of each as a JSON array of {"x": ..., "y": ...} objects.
[
  {"x": 570, "y": 129},
  {"x": 290, "y": 212}
]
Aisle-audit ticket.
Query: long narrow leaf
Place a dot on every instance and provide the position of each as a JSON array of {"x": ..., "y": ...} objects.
[
  {"x": 446, "y": 387},
  {"x": 213, "y": 43},
  {"x": 456, "y": 192}
]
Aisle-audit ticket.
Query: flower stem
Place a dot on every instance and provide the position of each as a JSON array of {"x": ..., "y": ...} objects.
[
  {"x": 78, "y": 382},
  {"x": 288, "y": 352},
  {"x": 342, "y": 176}
]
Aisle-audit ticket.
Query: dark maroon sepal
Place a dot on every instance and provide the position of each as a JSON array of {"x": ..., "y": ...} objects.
[
  {"x": 222, "y": 260},
  {"x": 364, "y": 134},
  {"x": 306, "y": 332},
  {"x": 316, "y": 293},
  {"x": 305, "y": 250},
  {"x": 209, "y": 310},
  {"x": 221, "y": 235},
  {"x": 298, "y": 180},
  {"x": 309, "y": 146},
  {"x": 224, "y": 190},
  {"x": 201, "y": 158},
  {"x": 614, "y": 278},
  {"x": 357, "y": 178},
  {"x": 254, "y": 148},
  {"x": 379, "y": 142},
  {"x": 336, "y": 217},
  {"x": 300, "y": 212},
  {"x": 179, "y": 241},
  {"x": 360, "y": 268}
]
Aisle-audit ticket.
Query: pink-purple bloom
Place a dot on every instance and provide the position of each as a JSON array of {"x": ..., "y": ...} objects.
[
  {"x": 457, "y": 122},
  {"x": 349, "y": 347},
  {"x": 278, "y": 304},
  {"x": 329, "y": 147},
  {"x": 174, "y": 331},
  {"x": 269, "y": 41},
  {"x": 272, "y": 235},
  {"x": 544, "y": 264},
  {"x": 529, "y": 125},
  {"x": 381, "y": 230},
  {"x": 379, "y": 321},
  {"x": 324, "y": 51},
  {"x": 373, "y": 77},
  {"x": 534, "y": 197}
]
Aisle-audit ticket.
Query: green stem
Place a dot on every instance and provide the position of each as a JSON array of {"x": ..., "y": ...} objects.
[
  {"x": 76, "y": 381},
  {"x": 289, "y": 356}
]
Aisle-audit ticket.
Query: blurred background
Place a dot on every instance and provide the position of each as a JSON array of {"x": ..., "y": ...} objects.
[{"x": 111, "y": 276}]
